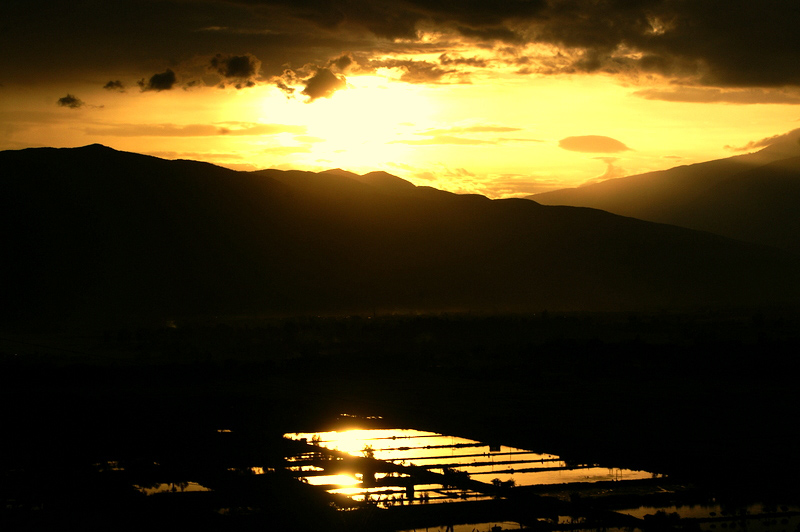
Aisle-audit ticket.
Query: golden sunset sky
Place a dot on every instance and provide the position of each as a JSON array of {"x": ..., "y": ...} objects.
[{"x": 503, "y": 98}]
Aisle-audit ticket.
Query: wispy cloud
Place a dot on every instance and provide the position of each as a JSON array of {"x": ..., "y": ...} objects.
[
  {"x": 193, "y": 130},
  {"x": 443, "y": 139},
  {"x": 792, "y": 136},
  {"x": 715, "y": 95},
  {"x": 476, "y": 134}
]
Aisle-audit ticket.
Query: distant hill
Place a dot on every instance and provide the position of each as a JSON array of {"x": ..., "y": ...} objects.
[
  {"x": 96, "y": 234},
  {"x": 751, "y": 197}
]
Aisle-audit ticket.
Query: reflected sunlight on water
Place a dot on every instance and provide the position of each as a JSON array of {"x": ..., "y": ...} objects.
[
  {"x": 171, "y": 487},
  {"x": 490, "y": 526},
  {"x": 333, "y": 480},
  {"x": 716, "y": 518},
  {"x": 394, "y": 468},
  {"x": 419, "y": 467}
]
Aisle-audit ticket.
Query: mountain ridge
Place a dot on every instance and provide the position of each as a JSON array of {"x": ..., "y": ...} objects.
[
  {"x": 687, "y": 195},
  {"x": 101, "y": 234}
]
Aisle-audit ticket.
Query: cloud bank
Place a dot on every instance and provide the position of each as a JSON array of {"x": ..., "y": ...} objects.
[{"x": 709, "y": 43}]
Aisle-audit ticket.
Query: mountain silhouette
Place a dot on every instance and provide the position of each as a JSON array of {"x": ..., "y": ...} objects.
[
  {"x": 751, "y": 197},
  {"x": 97, "y": 234}
]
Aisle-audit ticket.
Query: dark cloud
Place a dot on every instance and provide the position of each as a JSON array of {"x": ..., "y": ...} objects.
[
  {"x": 159, "y": 82},
  {"x": 317, "y": 82},
  {"x": 491, "y": 34},
  {"x": 239, "y": 70},
  {"x": 716, "y": 43},
  {"x": 236, "y": 66},
  {"x": 289, "y": 91},
  {"x": 70, "y": 101},
  {"x": 286, "y": 82},
  {"x": 402, "y": 18},
  {"x": 712, "y": 43},
  {"x": 730, "y": 43},
  {"x": 323, "y": 84},
  {"x": 342, "y": 63},
  {"x": 382, "y": 18},
  {"x": 592, "y": 144},
  {"x": 114, "y": 86}
]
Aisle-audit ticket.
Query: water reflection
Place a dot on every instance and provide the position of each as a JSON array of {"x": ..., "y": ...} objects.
[
  {"x": 491, "y": 526},
  {"x": 390, "y": 467},
  {"x": 332, "y": 480},
  {"x": 170, "y": 487},
  {"x": 755, "y": 517}
]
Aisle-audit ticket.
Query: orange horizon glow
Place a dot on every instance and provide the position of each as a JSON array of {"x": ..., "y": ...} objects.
[
  {"x": 468, "y": 138},
  {"x": 472, "y": 100}
]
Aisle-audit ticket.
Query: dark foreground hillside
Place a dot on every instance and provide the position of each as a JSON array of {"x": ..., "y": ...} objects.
[
  {"x": 165, "y": 322},
  {"x": 706, "y": 398},
  {"x": 95, "y": 235}
]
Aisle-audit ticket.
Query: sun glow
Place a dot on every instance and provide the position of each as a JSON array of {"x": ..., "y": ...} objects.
[
  {"x": 497, "y": 135},
  {"x": 356, "y": 125},
  {"x": 348, "y": 441}
]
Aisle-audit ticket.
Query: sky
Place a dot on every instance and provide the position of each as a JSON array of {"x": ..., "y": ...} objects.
[{"x": 504, "y": 98}]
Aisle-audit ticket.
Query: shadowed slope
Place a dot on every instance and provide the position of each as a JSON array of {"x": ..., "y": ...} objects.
[
  {"x": 758, "y": 205},
  {"x": 100, "y": 233},
  {"x": 749, "y": 197}
]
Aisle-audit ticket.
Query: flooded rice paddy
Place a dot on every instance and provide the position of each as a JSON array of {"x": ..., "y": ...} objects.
[
  {"x": 170, "y": 487},
  {"x": 390, "y": 469},
  {"x": 419, "y": 467},
  {"x": 755, "y": 517}
]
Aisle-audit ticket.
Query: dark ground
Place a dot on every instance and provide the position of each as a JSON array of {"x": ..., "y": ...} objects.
[{"x": 708, "y": 398}]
